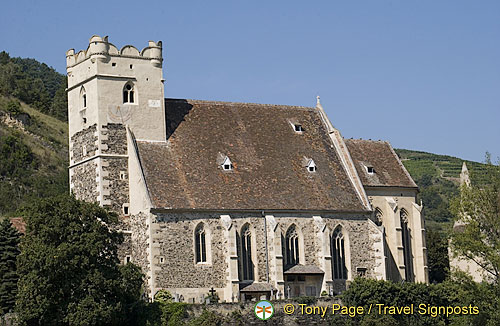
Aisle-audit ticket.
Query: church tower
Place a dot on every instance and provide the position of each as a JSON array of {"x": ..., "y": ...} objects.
[{"x": 110, "y": 90}]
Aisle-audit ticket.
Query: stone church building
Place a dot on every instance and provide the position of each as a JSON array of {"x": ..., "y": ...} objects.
[{"x": 244, "y": 199}]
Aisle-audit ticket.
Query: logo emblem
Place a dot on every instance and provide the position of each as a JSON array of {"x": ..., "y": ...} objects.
[{"x": 264, "y": 310}]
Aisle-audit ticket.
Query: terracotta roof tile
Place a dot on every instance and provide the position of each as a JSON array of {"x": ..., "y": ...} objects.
[
  {"x": 266, "y": 153},
  {"x": 389, "y": 171}
]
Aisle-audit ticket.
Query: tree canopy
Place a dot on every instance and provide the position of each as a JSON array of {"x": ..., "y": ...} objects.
[
  {"x": 9, "y": 249},
  {"x": 69, "y": 271}
]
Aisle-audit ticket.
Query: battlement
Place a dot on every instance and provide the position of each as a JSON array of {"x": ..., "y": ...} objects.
[{"x": 99, "y": 48}]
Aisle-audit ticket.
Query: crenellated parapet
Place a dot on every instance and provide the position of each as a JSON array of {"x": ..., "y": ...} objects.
[{"x": 99, "y": 48}]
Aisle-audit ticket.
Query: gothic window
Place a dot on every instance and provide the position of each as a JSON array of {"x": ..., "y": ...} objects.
[
  {"x": 200, "y": 244},
  {"x": 291, "y": 246},
  {"x": 337, "y": 248},
  {"x": 128, "y": 93},
  {"x": 244, "y": 247},
  {"x": 406, "y": 241}
]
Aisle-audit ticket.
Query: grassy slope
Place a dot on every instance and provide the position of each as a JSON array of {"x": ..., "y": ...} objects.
[{"x": 46, "y": 137}]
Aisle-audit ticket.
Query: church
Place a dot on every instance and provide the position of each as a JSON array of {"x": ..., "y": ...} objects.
[{"x": 244, "y": 200}]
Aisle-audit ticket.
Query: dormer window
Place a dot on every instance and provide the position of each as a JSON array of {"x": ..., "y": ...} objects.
[
  {"x": 128, "y": 93},
  {"x": 311, "y": 166},
  {"x": 370, "y": 169},
  {"x": 298, "y": 128},
  {"x": 227, "y": 165}
]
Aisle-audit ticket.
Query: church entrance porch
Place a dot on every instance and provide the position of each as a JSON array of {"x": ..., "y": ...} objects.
[{"x": 303, "y": 280}]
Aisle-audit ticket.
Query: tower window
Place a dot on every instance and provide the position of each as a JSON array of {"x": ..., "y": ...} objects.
[
  {"x": 128, "y": 94},
  {"x": 113, "y": 64},
  {"x": 131, "y": 66},
  {"x": 126, "y": 211},
  {"x": 122, "y": 175}
]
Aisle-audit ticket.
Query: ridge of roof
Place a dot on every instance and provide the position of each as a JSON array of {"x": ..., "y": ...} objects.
[{"x": 213, "y": 102}]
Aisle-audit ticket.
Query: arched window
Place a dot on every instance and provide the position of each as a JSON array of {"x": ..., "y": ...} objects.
[
  {"x": 406, "y": 241},
  {"x": 128, "y": 93},
  {"x": 200, "y": 243},
  {"x": 378, "y": 216},
  {"x": 83, "y": 97},
  {"x": 291, "y": 246},
  {"x": 245, "y": 263},
  {"x": 337, "y": 248}
]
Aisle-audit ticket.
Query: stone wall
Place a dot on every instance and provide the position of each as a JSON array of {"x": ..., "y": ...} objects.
[
  {"x": 83, "y": 181},
  {"x": 114, "y": 139},
  {"x": 87, "y": 138},
  {"x": 116, "y": 191},
  {"x": 173, "y": 238}
]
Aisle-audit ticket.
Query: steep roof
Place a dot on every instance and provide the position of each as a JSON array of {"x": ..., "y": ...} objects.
[
  {"x": 389, "y": 171},
  {"x": 266, "y": 152}
]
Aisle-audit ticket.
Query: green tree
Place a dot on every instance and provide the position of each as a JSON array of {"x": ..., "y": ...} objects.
[
  {"x": 68, "y": 267},
  {"x": 437, "y": 256},
  {"x": 9, "y": 250},
  {"x": 477, "y": 209}
]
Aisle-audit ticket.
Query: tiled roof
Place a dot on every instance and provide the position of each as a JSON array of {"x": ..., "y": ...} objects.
[
  {"x": 258, "y": 287},
  {"x": 304, "y": 269},
  {"x": 266, "y": 152},
  {"x": 389, "y": 171}
]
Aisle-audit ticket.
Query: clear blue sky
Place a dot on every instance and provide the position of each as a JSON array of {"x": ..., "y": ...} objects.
[{"x": 424, "y": 75}]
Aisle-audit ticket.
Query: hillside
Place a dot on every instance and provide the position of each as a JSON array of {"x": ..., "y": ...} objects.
[
  {"x": 33, "y": 132},
  {"x": 438, "y": 177}
]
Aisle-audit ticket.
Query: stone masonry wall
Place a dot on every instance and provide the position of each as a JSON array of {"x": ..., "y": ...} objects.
[
  {"x": 114, "y": 137},
  {"x": 116, "y": 190},
  {"x": 87, "y": 138},
  {"x": 83, "y": 181},
  {"x": 175, "y": 238}
]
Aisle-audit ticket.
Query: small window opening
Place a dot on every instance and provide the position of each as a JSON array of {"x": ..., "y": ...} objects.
[
  {"x": 125, "y": 209},
  {"x": 370, "y": 169},
  {"x": 162, "y": 260},
  {"x": 122, "y": 175},
  {"x": 298, "y": 128},
  {"x": 128, "y": 259},
  {"x": 113, "y": 64},
  {"x": 361, "y": 271},
  {"x": 84, "y": 150},
  {"x": 131, "y": 66},
  {"x": 84, "y": 100},
  {"x": 84, "y": 120}
]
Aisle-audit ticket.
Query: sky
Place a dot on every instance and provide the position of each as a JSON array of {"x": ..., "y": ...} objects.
[{"x": 423, "y": 75}]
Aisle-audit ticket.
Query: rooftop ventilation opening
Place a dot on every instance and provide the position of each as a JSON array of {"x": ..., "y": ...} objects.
[
  {"x": 311, "y": 166},
  {"x": 227, "y": 165}
]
